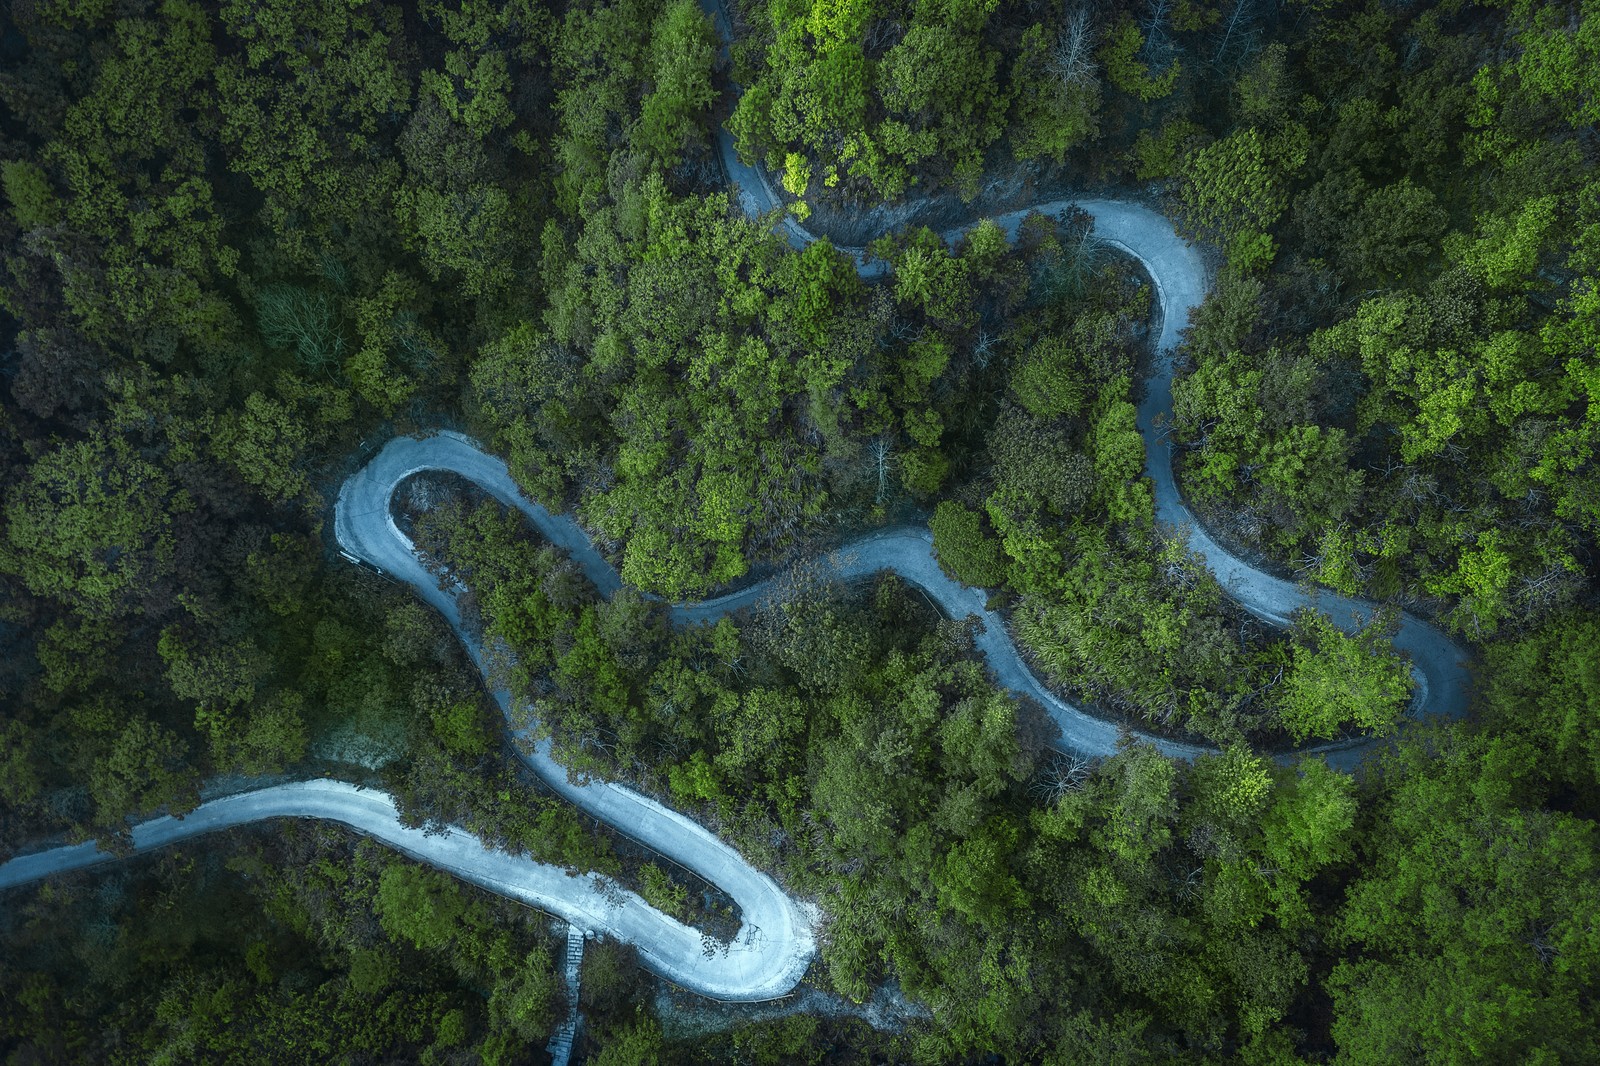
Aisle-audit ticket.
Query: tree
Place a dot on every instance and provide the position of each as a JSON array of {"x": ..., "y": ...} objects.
[
  {"x": 1126, "y": 72},
  {"x": 267, "y": 443},
  {"x": 216, "y": 674},
  {"x": 1482, "y": 579},
  {"x": 1267, "y": 89},
  {"x": 270, "y": 737},
  {"x": 33, "y": 202},
  {"x": 456, "y": 205},
  {"x": 639, "y": 1044},
  {"x": 1056, "y": 95},
  {"x": 1265, "y": 837},
  {"x": 818, "y": 87},
  {"x": 532, "y": 391},
  {"x": 1336, "y": 679},
  {"x": 473, "y": 89},
  {"x": 144, "y": 770},
  {"x": 59, "y": 371},
  {"x": 304, "y": 321},
  {"x": 526, "y": 999},
  {"x": 1159, "y": 153},
  {"x": 821, "y": 284},
  {"x": 938, "y": 86},
  {"x": 461, "y": 230},
  {"x": 423, "y": 907},
  {"x": 1396, "y": 230},
  {"x": 1506, "y": 254},
  {"x": 1050, "y": 378},
  {"x": 308, "y": 96},
  {"x": 1310, "y": 823},
  {"x": 1119, "y": 459},
  {"x": 1469, "y": 926},
  {"x": 931, "y": 99},
  {"x": 975, "y": 876},
  {"x": 395, "y": 348},
  {"x": 91, "y": 525},
  {"x": 963, "y": 547},
  {"x": 1233, "y": 192},
  {"x": 20, "y": 779},
  {"x": 1546, "y": 685},
  {"x": 1554, "y": 67},
  {"x": 1233, "y": 787},
  {"x": 140, "y": 244},
  {"x": 761, "y": 734},
  {"x": 682, "y": 52}
]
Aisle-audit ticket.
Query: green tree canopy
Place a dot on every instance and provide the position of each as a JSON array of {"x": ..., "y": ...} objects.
[
  {"x": 91, "y": 525},
  {"x": 1337, "y": 679}
]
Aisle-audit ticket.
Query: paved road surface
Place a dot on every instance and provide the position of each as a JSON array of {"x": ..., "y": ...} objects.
[
  {"x": 776, "y": 943},
  {"x": 762, "y": 964}
]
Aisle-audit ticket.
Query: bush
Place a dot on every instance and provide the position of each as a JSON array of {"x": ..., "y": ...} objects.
[
  {"x": 1337, "y": 679},
  {"x": 966, "y": 551}
]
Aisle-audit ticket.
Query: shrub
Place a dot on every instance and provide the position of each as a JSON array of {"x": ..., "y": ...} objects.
[{"x": 966, "y": 551}]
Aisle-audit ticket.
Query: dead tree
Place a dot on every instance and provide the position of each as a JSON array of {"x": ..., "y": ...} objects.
[
  {"x": 1237, "y": 27},
  {"x": 1064, "y": 774},
  {"x": 1072, "y": 58},
  {"x": 881, "y": 455}
]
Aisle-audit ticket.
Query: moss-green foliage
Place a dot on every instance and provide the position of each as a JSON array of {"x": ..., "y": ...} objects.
[
  {"x": 933, "y": 97},
  {"x": 1232, "y": 193},
  {"x": 1358, "y": 436},
  {"x": 241, "y": 243},
  {"x": 1335, "y": 680},
  {"x": 661, "y": 892},
  {"x": 702, "y": 396},
  {"x": 1051, "y": 115},
  {"x": 964, "y": 547},
  {"x": 885, "y": 741},
  {"x": 27, "y": 187},
  {"x": 1547, "y": 685},
  {"x": 210, "y": 309},
  {"x": 1249, "y": 408},
  {"x": 1471, "y": 895},
  {"x": 689, "y": 504},
  {"x": 1124, "y": 617},
  {"x": 92, "y": 527},
  {"x": 888, "y": 96},
  {"x": 682, "y": 52},
  {"x": 266, "y": 947},
  {"x": 1126, "y": 72}
]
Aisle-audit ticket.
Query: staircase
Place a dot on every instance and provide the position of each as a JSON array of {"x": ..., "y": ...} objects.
[{"x": 560, "y": 1046}]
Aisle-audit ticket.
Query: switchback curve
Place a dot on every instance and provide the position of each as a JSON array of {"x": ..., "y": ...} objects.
[
  {"x": 1179, "y": 276},
  {"x": 764, "y": 962},
  {"x": 776, "y": 942}
]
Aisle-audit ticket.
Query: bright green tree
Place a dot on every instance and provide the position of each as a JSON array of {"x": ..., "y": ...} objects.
[
  {"x": 1335, "y": 679},
  {"x": 963, "y": 546}
]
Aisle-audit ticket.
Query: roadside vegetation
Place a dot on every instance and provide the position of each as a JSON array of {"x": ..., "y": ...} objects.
[{"x": 242, "y": 244}]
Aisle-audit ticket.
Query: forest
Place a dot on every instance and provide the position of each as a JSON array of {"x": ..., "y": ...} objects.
[{"x": 243, "y": 245}]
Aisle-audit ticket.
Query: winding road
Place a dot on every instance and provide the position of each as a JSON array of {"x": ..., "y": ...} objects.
[{"x": 776, "y": 941}]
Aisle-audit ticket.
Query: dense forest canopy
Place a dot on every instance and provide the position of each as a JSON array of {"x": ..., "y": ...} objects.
[{"x": 242, "y": 244}]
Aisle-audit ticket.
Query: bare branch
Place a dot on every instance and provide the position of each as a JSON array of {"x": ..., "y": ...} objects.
[
  {"x": 881, "y": 455},
  {"x": 1066, "y": 773},
  {"x": 1072, "y": 58}
]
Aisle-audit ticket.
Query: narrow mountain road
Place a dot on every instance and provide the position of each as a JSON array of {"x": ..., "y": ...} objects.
[
  {"x": 776, "y": 942},
  {"x": 1179, "y": 276},
  {"x": 764, "y": 963}
]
